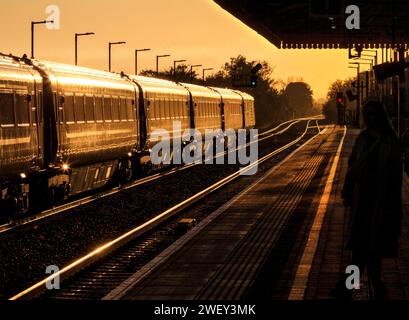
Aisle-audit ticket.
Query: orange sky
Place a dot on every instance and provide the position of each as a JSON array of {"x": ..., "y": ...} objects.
[{"x": 196, "y": 30}]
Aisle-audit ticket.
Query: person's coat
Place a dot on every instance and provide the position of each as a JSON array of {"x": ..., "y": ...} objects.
[{"x": 372, "y": 189}]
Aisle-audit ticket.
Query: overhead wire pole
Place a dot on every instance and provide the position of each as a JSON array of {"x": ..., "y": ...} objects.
[
  {"x": 33, "y": 24},
  {"x": 136, "y": 59},
  {"x": 204, "y": 70},
  {"x": 157, "y": 61},
  {"x": 109, "y": 53},
  {"x": 366, "y": 86},
  {"x": 358, "y": 95},
  {"x": 191, "y": 70},
  {"x": 77, "y": 35},
  {"x": 174, "y": 68}
]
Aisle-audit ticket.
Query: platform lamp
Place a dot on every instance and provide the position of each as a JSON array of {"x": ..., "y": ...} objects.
[
  {"x": 77, "y": 35},
  {"x": 33, "y": 24},
  {"x": 109, "y": 52}
]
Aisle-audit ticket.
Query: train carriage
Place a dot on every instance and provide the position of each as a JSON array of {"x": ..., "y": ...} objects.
[
  {"x": 96, "y": 123},
  {"x": 232, "y": 106},
  {"x": 249, "y": 111},
  {"x": 165, "y": 103},
  {"x": 206, "y": 105},
  {"x": 20, "y": 132}
]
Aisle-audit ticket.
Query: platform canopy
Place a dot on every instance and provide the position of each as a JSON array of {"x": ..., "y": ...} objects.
[{"x": 322, "y": 23}]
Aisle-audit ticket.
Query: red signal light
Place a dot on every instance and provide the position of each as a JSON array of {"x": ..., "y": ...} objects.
[{"x": 340, "y": 100}]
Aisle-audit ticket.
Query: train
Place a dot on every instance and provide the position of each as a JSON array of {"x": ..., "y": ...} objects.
[{"x": 66, "y": 130}]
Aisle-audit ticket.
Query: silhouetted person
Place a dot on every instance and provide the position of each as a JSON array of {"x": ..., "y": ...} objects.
[{"x": 372, "y": 190}]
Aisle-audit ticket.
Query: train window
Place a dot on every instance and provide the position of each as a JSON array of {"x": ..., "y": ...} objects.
[
  {"x": 6, "y": 109},
  {"x": 162, "y": 109},
  {"x": 182, "y": 109},
  {"x": 89, "y": 109},
  {"x": 129, "y": 109},
  {"x": 33, "y": 109},
  {"x": 173, "y": 110},
  {"x": 115, "y": 109},
  {"x": 69, "y": 109},
  {"x": 79, "y": 109},
  {"x": 153, "y": 109},
  {"x": 122, "y": 110},
  {"x": 158, "y": 109},
  {"x": 99, "y": 117},
  {"x": 170, "y": 109},
  {"x": 21, "y": 106},
  {"x": 167, "y": 109},
  {"x": 107, "y": 109}
]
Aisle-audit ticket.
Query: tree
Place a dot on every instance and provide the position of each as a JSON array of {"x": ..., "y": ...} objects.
[
  {"x": 298, "y": 99},
  {"x": 182, "y": 74},
  {"x": 266, "y": 96},
  {"x": 339, "y": 86},
  {"x": 329, "y": 108}
]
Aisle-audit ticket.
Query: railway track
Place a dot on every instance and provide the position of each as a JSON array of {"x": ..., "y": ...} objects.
[
  {"x": 270, "y": 133},
  {"x": 101, "y": 270}
]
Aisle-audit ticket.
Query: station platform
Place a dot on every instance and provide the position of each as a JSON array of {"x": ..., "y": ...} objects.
[{"x": 280, "y": 238}]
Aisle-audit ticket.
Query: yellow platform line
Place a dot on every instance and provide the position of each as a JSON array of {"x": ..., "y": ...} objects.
[{"x": 304, "y": 268}]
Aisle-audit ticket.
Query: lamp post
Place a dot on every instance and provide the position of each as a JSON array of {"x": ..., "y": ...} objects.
[
  {"x": 109, "y": 53},
  {"x": 157, "y": 61},
  {"x": 204, "y": 70},
  {"x": 76, "y": 43},
  {"x": 174, "y": 68},
  {"x": 33, "y": 24},
  {"x": 191, "y": 70},
  {"x": 136, "y": 58}
]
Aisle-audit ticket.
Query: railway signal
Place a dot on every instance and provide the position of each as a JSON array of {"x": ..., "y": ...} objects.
[
  {"x": 247, "y": 80},
  {"x": 341, "y": 108},
  {"x": 340, "y": 99}
]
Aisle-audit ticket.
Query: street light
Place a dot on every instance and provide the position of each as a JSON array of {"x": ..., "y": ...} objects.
[
  {"x": 191, "y": 70},
  {"x": 136, "y": 59},
  {"x": 110, "y": 45},
  {"x": 33, "y": 23},
  {"x": 174, "y": 68},
  {"x": 157, "y": 61},
  {"x": 76, "y": 43},
  {"x": 204, "y": 70}
]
